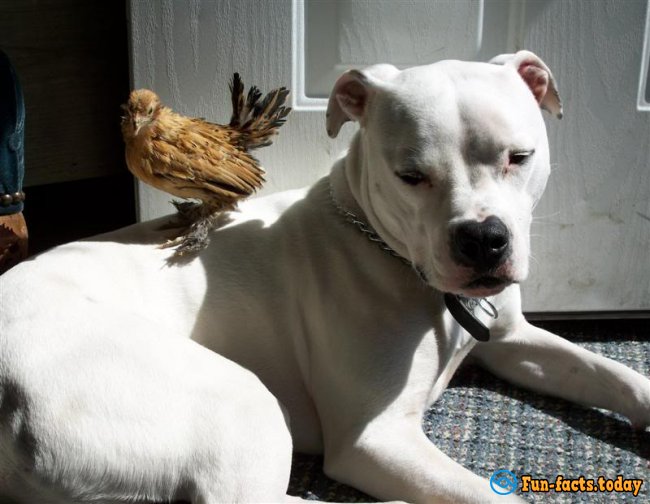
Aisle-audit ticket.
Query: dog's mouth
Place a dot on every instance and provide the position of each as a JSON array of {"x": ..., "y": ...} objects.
[{"x": 486, "y": 285}]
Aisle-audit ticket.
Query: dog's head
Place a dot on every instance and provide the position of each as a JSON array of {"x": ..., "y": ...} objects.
[{"x": 449, "y": 162}]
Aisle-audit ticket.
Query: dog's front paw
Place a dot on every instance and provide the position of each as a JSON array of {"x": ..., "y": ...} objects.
[{"x": 639, "y": 410}]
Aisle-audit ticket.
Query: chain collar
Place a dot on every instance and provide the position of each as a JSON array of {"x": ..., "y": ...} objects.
[
  {"x": 368, "y": 231},
  {"x": 461, "y": 307}
]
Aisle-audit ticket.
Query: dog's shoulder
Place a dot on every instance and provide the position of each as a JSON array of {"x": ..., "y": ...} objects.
[{"x": 269, "y": 208}]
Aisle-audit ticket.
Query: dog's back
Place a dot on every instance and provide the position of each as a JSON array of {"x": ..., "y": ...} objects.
[{"x": 96, "y": 352}]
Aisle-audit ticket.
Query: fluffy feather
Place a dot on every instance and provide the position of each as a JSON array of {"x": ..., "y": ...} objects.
[{"x": 195, "y": 159}]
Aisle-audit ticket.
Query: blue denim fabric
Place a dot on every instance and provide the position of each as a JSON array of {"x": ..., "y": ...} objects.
[{"x": 12, "y": 134}]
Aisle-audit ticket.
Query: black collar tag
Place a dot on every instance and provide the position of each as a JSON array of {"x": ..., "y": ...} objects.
[{"x": 462, "y": 309}]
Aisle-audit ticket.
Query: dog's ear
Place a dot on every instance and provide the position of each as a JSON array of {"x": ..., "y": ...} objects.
[
  {"x": 351, "y": 94},
  {"x": 537, "y": 76}
]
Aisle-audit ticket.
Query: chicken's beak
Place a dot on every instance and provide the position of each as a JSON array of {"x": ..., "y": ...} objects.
[{"x": 138, "y": 122}]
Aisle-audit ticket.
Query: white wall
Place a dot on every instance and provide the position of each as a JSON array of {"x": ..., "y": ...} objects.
[{"x": 592, "y": 233}]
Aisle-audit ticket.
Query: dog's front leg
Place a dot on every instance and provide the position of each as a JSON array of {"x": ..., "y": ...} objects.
[
  {"x": 393, "y": 459},
  {"x": 537, "y": 359}
]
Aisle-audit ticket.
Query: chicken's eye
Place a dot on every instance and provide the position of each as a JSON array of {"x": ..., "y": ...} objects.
[{"x": 150, "y": 111}]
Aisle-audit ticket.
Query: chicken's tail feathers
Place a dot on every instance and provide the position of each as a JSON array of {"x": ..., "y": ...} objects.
[{"x": 257, "y": 121}]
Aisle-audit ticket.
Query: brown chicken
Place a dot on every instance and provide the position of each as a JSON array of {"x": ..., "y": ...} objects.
[{"x": 198, "y": 160}]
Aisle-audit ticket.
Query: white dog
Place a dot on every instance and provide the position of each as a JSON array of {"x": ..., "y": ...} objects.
[{"x": 315, "y": 321}]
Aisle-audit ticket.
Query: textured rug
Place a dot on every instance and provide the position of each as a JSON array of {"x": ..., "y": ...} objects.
[{"x": 487, "y": 424}]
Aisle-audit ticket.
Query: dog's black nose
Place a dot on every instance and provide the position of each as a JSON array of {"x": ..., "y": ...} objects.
[{"x": 481, "y": 245}]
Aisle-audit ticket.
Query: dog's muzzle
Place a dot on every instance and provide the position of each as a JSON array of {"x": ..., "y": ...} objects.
[{"x": 482, "y": 246}]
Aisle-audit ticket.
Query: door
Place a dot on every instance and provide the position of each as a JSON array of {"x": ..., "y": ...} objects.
[{"x": 591, "y": 241}]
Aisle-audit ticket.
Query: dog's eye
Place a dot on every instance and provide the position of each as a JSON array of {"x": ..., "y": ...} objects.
[
  {"x": 412, "y": 177},
  {"x": 519, "y": 158}
]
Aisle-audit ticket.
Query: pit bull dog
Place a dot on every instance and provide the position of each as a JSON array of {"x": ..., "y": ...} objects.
[{"x": 318, "y": 320}]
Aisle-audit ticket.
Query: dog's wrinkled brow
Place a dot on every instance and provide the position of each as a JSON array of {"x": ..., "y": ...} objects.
[
  {"x": 406, "y": 157},
  {"x": 482, "y": 149}
]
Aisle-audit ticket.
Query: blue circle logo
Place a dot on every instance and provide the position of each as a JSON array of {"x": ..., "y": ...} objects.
[{"x": 503, "y": 482}]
